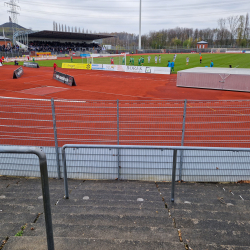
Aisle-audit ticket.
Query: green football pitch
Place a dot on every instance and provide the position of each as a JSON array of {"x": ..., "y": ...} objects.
[{"x": 220, "y": 60}]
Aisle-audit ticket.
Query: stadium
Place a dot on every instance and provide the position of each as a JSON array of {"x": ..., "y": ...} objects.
[{"x": 123, "y": 130}]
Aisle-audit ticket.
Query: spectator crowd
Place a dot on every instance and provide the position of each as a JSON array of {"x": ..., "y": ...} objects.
[{"x": 53, "y": 47}]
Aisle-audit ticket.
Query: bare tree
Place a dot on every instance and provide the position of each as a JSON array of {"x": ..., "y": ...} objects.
[
  {"x": 246, "y": 29},
  {"x": 233, "y": 23},
  {"x": 222, "y": 30},
  {"x": 196, "y": 35},
  {"x": 240, "y": 30}
]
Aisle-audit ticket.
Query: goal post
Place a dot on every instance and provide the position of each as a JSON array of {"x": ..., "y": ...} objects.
[
  {"x": 116, "y": 59},
  {"x": 218, "y": 50}
]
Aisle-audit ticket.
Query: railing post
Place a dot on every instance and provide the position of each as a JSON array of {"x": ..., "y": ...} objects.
[
  {"x": 46, "y": 204},
  {"x": 182, "y": 138},
  {"x": 55, "y": 137},
  {"x": 118, "y": 151},
  {"x": 45, "y": 185},
  {"x": 65, "y": 173},
  {"x": 173, "y": 174}
]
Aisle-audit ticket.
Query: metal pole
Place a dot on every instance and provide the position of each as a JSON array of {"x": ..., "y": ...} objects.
[
  {"x": 117, "y": 107},
  {"x": 46, "y": 203},
  {"x": 140, "y": 27},
  {"x": 55, "y": 137},
  {"x": 45, "y": 185},
  {"x": 65, "y": 174},
  {"x": 173, "y": 174},
  {"x": 182, "y": 138},
  {"x": 118, "y": 151}
]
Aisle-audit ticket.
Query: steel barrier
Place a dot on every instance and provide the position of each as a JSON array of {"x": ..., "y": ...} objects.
[
  {"x": 45, "y": 185},
  {"x": 52, "y": 123},
  {"x": 162, "y": 148}
]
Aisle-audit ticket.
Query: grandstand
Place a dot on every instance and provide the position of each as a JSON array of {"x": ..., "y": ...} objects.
[
  {"x": 58, "y": 41},
  {"x": 53, "y": 41}
]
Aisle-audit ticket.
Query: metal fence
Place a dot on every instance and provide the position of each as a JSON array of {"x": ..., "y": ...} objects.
[
  {"x": 50, "y": 124},
  {"x": 152, "y": 163}
]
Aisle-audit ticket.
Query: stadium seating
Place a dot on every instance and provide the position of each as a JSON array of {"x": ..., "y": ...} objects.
[{"x": 55, "y": 47}]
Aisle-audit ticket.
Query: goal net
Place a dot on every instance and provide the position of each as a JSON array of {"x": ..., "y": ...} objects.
[
  {"x": 218, "y": 50},
  {"x": 107, "y": 59}
]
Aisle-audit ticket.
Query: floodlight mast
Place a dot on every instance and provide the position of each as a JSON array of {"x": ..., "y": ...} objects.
[
  {"x": 13, "y": 11},
  {"x": 140, "y": 27}
]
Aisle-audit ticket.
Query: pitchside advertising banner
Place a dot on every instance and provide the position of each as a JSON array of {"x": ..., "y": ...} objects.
[
  {"x": 18, "y": 73},
  {"x": 111, "y": 67},
  {"x": 152, "y": 70},
  {"x": 76, "y": 66},
  {"x": 97, "y": 67},
  {"x": 67, "y": 79},
  {"x": 31, "y": 65},
  {"x": 84, "y": 55},
  {"x": 121, "y": 68}
]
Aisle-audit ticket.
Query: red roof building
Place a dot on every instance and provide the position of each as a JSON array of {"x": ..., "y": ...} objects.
[{"x": 202, "y": 45}]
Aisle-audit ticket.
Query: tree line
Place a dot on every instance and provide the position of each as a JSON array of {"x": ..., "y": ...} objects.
[{"x": 233, "y": 31}]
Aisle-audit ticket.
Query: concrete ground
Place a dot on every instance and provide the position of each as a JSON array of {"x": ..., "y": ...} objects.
[{"x": 125, "y": 214}]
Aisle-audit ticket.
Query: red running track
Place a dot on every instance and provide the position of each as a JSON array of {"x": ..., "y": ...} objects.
[
  {"x": 104, "y": 85},
  {"x": 222, "y": 123}
]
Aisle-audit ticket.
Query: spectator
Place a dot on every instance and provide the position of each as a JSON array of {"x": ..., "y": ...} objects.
[{"x": 54, "y": 66}]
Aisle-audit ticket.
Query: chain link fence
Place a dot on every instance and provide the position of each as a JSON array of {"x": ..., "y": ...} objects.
[{"x": 50, "y": 124}]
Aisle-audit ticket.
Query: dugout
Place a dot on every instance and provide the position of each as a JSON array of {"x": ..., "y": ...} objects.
[{"x": 235, "y": 79}]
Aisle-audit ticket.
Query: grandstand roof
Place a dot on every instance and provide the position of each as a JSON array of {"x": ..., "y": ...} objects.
[
  {"x": 2, "y": 38},
  {"x": 201, "y": 42},
  {"x": 67, "y": 35}
]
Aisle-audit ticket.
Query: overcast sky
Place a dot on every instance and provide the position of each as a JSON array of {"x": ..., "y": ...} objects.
[{"x": 121, "y": 15}]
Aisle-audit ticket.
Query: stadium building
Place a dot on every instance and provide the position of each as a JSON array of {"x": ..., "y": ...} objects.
[
  {"x": 53, "y": 41},
  {"x": 202, "y": 45},
  {"x": 4, "y": 41},
  {"x": 59, "y": 41}
]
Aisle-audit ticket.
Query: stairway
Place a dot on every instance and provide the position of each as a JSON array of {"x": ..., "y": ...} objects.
[
  {"x": 97, "y": 215},
  {"x": 211, "y": 216}
]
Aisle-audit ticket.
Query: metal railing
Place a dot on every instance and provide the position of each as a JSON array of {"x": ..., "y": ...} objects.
[
  {"x": 175, "y": 149},
  {"x": 52, "y": 123},
  {"x": 45, "y": 185}
]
